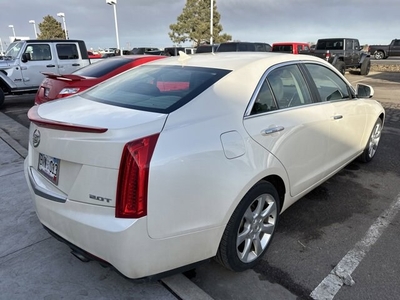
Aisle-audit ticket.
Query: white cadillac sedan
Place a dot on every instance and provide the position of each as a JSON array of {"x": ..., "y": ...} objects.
[{"x": 193, "y": 157}]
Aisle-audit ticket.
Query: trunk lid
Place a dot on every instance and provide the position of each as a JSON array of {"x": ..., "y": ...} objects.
[{"x": 76, "y": 146}]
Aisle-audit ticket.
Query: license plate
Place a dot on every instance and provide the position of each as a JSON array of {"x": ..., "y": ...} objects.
[{"x": 50, "y": 167}]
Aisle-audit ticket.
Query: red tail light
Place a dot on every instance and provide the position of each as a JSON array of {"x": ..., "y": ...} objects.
[
  {"x": 133, "y": 178},
  {"x": 327, "y": 55}
]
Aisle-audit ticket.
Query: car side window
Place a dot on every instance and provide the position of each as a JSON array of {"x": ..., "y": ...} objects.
[
  {"x": 67, "y": 51},
  {"x": 329, "y": 84},
  {"x": 349, "y": 44},
  {"x": 265, "y": 101},
  {"x": 289, "y": 87},
  {"x": 39, "y": 52}
]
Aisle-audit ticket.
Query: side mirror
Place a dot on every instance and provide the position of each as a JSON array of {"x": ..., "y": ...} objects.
[
  {"x": 364, "y": 91},
  {"x": 26, "y": 57}
]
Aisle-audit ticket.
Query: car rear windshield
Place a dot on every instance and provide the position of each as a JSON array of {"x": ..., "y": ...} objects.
[
  {"x": 155, "y": 88},
  {"x": 103, "y": 67},
  {"x": 331, "y": 44},
  {"x": 282, "y": 48},
  {"x": 207, "y": 48}
]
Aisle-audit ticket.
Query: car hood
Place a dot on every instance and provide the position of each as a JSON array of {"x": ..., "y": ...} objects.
[{"x": 5, "y": 62}]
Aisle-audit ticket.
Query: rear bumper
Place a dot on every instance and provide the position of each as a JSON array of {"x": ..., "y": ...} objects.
[{"x": 123, "y": 243}]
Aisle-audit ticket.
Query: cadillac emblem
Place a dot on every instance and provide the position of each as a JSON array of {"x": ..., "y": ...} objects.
[{"x": 36, "y": 138}]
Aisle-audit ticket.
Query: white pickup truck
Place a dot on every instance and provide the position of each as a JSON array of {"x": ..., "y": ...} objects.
[{"x": 24, "y": 61}]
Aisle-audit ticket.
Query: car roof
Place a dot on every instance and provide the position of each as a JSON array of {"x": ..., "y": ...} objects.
[
  {"x": 233, "y": 60},
  {"x": 289, "y": 43}
]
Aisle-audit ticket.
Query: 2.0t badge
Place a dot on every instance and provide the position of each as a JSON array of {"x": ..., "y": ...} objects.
[{"x": 36, "y": 138}]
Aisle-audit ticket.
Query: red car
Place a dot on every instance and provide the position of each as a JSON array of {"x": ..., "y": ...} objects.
[
  {"x": 56, "y": 86},
  {"x": 94, "y": 55},
  {"x": 291, "y": 47}
]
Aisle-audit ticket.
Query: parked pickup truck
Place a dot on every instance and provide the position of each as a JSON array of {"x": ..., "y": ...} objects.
[
  {"x": 343, "y": 53},
  {"x": 384, "y": 51},
  {"x": 24, "y": 61}
]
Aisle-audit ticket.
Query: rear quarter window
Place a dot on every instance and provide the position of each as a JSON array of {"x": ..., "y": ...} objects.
[
  {"x": 67, "y": 51},
  {"x": 155, "y": 88}
]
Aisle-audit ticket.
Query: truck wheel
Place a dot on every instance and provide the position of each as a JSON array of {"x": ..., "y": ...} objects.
[
  {"x": 1, "y": 97},
  {"x": 379, "y": 55},
  {"x": 365, "y": 66},
  {"x": 340, "y": 65}
]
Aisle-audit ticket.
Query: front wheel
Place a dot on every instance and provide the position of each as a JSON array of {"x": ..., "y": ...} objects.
[
  {"x": 379, "y": 55},
  {"x": 250, "y": 229},
  {"x": 372, "y": 146}
]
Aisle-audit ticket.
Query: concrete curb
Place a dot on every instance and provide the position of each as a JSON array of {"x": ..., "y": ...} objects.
[{"x": 13, "y": 144}]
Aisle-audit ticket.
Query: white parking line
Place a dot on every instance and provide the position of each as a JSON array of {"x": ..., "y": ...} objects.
[{"x": 341, "y": 274}]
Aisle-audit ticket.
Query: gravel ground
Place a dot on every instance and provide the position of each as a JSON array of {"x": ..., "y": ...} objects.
[{"x": 385, "y": 68}]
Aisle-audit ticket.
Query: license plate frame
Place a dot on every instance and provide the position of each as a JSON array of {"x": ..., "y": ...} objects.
[{"x": 49, "y": 167}]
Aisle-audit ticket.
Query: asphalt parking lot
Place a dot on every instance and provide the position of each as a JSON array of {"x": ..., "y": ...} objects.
[{"x": 347, "y": 226}]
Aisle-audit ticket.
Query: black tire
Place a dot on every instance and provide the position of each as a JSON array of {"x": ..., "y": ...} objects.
[
  {"x": 250, "y": 228},
  {"x": 373, "y": 142},
  {"x": 379, "y": 55},
  {"x": 341, "y": 66},
  {"x": 2, "y": 97},
  {"x": 365, "y": 67}
]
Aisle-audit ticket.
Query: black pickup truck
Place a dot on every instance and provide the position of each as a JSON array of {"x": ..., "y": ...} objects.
[
  {"x": 384, "y": 51},
  {"x": 343, "y": 53}
]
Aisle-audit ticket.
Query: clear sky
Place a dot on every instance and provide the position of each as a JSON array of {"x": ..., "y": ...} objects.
[{"x": 146, "y": 22}]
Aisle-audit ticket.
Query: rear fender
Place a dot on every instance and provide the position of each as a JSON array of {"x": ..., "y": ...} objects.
[{"x": 364, "y": 56}]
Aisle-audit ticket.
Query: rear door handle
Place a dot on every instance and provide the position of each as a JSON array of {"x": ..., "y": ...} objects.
[
  {"x": 75, "y": 65},
  {"x": 272, "y": 130},
  {"x": 337, "y": 117}
]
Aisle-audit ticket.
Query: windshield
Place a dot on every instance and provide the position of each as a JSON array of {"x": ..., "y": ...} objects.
[
  {"x": 155, "y": 88},
  {"x": 13, "y": 49}
]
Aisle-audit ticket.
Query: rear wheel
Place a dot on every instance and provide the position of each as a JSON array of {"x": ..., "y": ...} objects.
[
  {"x": 340, "y": 65},
  {"x": 250, "y": 229},
  {"x": 365, "y": 66},
  {"x": 379, "y": 55},
  {"x": 372, "y": 146},
  {"x": 1, "y": 97}
]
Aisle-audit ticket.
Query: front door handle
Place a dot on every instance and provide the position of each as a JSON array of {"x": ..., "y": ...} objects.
[
  {"x": 50, "y": 66},
  {"x": 272, "y": 130},
  {"x": 75, "y": 65},
  {"x": 337, "y": 117}
]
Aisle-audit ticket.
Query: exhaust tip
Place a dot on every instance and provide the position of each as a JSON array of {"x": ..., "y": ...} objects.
[{"x": 80, "y": 256}]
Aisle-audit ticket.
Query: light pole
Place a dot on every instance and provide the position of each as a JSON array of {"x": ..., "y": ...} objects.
[
  {"x": 12, "y": 27},
  {"x": 34, "y": 27},
  {"x": 1, "y": 46},
  {"x": 212, "y": 22},
  {"x": 114, "y": 3},
  {"x": 62, "y": 15}
]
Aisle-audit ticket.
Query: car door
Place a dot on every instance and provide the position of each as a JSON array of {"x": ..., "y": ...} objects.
[
  {"x": 41, "y": 60},
  {"x": 348, "y": 52},
  {"x": 69, "y": 58},
  {"x": 347, "y": 116},
  {"x": 284, "y": 120},
  {"x": 395, "y": 48}
]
